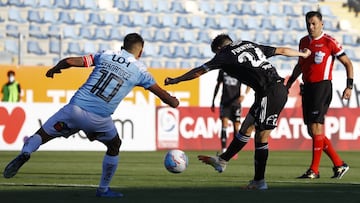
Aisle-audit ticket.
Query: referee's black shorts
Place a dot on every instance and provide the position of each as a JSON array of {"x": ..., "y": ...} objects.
[{"x": 316, "y": 99}]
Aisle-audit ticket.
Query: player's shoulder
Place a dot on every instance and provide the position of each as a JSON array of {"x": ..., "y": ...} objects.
[{"x": 330, "y": 38}]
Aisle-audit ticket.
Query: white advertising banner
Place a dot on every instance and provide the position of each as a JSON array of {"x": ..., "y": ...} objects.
[{"x": 135, "y": 124}]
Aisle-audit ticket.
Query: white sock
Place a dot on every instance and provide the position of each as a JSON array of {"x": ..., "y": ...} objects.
[
  {"x": 32, "y": 144},
  {"x": 109, "y": 167}
]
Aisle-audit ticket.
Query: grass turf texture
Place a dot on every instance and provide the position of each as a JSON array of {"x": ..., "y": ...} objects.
[{"x": 141, "y": 176}]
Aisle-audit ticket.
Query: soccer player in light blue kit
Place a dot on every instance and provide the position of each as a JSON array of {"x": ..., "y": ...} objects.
[{"x": 115, "y": 74}]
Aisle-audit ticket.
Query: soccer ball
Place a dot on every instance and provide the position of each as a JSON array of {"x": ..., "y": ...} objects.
[{"x": 176, "y": 161}]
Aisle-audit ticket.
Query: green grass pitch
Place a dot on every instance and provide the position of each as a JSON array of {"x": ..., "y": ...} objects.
[{"x": 68, "y": 177}]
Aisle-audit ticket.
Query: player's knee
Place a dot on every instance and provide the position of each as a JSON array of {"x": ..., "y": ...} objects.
[{"x": 113, "y": 146}]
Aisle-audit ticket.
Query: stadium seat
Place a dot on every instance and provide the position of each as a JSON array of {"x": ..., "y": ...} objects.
[
  {"x": 69, "y": 32},
  {"x": 148, "y": 6},
  {"x": 167, "y": 21},
  {"x": 90, "y": 5},
  {"x": 220, "y": 7},
  {"x": 124, "y": 20},
  {"x": 171, "y": 64},
  {"x": 163, "y": 6},
  {"x": 34, "y": 47},
  {"x": 134, "y": 6},
  {"x": 49, "y": 16},
  {"x": 352, "y": 55},
  {"x": 185, "y": 64},
  {"x": 29, "y": 3},
  {"x": 206, "y": 7},
  {"x": 95, "y": 19},
  {"x": 75, "y": 4},
  {"x": 14, "y": 15},
  {"x": 74, "y": 48},
  {"x": 109, "y": 19},
  {"x": 164, "y": 51},
  {"x": 274, "y": 38},
  {"x": 189, "y": 36},
  {"x": 279, "y": 23},
  {"x": 54, "y": 31},
  {"x": 17, "y": 3},
  {"x": 85, "y": 33},
  {"x": 104, "y": 46},
  {"x": 246, "y": 9},
  {"x": 266, "y": 23},
  {"x": 179, "y": 52},
  {"x": 54, "y": 46},
  {"x": 139, "y": 20},
  {"x": 194, "y": 52},
  {"x": 60, "y": 4},
  {"x": 261, "y": 9},
  {"x": 306, "y": 8},
  {"x": 288, "y": 39},
  {"x": 295, "y": 24},
  {"x": 239, "y": 24},
  {"x": 100, "y": 33},
  {"x": 160, "y": 36},
  {"x": 12, "y": 31},
  {"x": 206, "y": 52},
  {"x": 347, "y": 39},
  {"x": 225, "y": 22},
  {"x": 233, "y": 8},
  {"x": 204, "y": 37},
  {"x": 197, "y": 22},
  {"x": 328, "y": 25},
  {"x": 120, "y": 4},
  {"x": 35, "y": 31},
  {"x": 177, "y": 7},
  {"x": 260, "y": 37},
  {"x": 89, "y": 48},
  {"x": 289, "y": 10},
  {"x": 174, "y": 36},
  {"x": 146, "y": 34},
  {"x": 115, "y": 34},
  {"x": 34, "y": 16},
  {"x": 156, "y": 64},
  {"x": 210, "y": 22},
  {"x": 45, "y": 4},
  {"x": 275, "y": 10},
  {"x": 79, "y": 18},
  {"x": 11, "y": 46},
  {"x": 182, "y": 21},
  {"x": 65, "y": 18},
  {"x": 252, "y": 24},
  {"x": 246, "y": 35},
  {"x": 150, "y": 50}
]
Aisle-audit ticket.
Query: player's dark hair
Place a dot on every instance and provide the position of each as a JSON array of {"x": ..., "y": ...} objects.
[
  {"x": 10, "y": 72},
  {"x": 311, "y": 14},
  {"x": 218, "y": 41},
  {"x": 131, "y": 39}
]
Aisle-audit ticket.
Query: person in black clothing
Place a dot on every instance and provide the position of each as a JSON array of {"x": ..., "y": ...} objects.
[
  {"x": 247, "y": 62},
  {"x": 230, "y": 105}
]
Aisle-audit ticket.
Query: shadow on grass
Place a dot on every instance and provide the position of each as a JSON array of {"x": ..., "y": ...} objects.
[{"x": 308, "y": 193}]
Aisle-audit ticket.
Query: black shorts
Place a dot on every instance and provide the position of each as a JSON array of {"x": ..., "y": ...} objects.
[
  {"x": 267, "y": 107},
  {"x": 316, "y": 99},
  {"x": 232, "y": 112}
]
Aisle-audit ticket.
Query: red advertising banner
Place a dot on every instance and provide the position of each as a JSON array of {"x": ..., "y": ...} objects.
[{"x": 197, "y": 128}]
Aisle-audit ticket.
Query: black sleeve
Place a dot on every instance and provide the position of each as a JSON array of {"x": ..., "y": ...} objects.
[{"x": 268, "y": 51}]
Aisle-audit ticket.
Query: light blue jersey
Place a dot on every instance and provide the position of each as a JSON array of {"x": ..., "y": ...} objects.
[{"x": 114, "y": 76}]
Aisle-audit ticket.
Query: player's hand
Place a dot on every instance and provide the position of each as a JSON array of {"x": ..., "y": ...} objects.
[
  {"x": 170, "y": 81},
  {"x": 307, "y": 52},
  {"x": 347, "y": 93},
  {"x": 50, "y": 73},
  {"x": 212, "y": 108}
]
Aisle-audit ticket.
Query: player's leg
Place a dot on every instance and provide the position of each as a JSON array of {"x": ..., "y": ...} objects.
[
  {"x": 57, "y": 125},
  {"x": 223, "y": 134}
]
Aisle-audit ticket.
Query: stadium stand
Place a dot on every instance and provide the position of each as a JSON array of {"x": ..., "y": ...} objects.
[{"x": 175, "y": 31}]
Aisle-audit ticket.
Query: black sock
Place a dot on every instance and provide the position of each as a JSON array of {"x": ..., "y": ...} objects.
[
  {"x": 238, "y": 142},
  {"x": 223, "y": 138},
  {"x": 261, "y": 156}
]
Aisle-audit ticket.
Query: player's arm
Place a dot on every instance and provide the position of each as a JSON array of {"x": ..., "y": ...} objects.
[
  {"x": 285, "y": 51},
  {"x": 164, "y": 95},
  {"x": 295, "y": 74},
  {"x": 216, "y": 90},
  {"x": 192, "y": 74},
  {"x": 242, "y": 96},
  {"x": 70, "y": 62},
  {"x": 344, "y": 59}
]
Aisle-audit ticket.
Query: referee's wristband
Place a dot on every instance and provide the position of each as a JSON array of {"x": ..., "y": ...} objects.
[{"x": 349, "y": 83}]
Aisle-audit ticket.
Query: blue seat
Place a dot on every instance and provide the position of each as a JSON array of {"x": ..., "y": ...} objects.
[
  {"x": 12, "y": 31},
  {"x": 109, "y": 19},
  {"x": 185, "y": 64},
  {"x": 74, "y": 48},
  {"x": 233, "y": 8},
  {"x": 239, "y": 24},
  {"x": 79, "y": 18},
  {"x": 156, "y": 64},
  {"x": 94, "y": 18},
  {"x": 288, "y": 10},
  {"x": 45, "y": 4},
  {"x": 65, "y": 18},
  {"x": 163, "y": 6},
  {"x": 274, "y": 39},
  {"x": 246, "y": 35},
  {"x": 266, "y": 24},
  {"x": 164, "y": 51},
  {"x": 75, "y": 4},
  {"x": 160, "y": 36},
  {"x": 275, "y": 10},
  {"x": 139, "y": 20},
  {"x": 252, "y": 24},
  {"x": 220, "y": 7},
  {"x": 89, "y": 48},
  {"x": 182, "y": 21},
  {"x": 288, "y": 39},
  {"x": 153, "y": 21},
  {"x": 206, "y": 52},
  {"x": 261, "y": 9},
  {"x": 34, "y": 16},
  {"x": 210, "y": 22},
  {"x": 134, "y": 6},
  {"x": 54, "y": 31},
  {"x": 49, "y": 16},
  {"x": 146, "y": 34},
  {"x": 197, "y": 22},
  {"x": 34, "y": 48},
  {"x": 29, "y": 3},
  {"x": 328, "y": 25},
  {"x": 104, "y": 46},
  {"x": 352, "y": 55},
  {"x": 326, "y": 11},
  {"x": 174, "y": 36},
  {"x": 90, "y": 5},
  {"x": 115, "y": 34},
  {"x": 203, "y": 36},
  {"x": 168, "y": 20},
  {"x": 85, "y": 33},
  {"x": 148, "y": 6},
  {"x": 206, "y": 7},
  {"x": 150, "y": 51},
  {"x": 69, "y": 32},
  {"x": 171, "y": 64},
  {"x": 280, "y": 24},
  {"x": 295, "y": 24},
  {"x": 60, "y": 4},
  {"x": 14, "y": 15},
  {"x": 306, "y": 8},
  {"x": 54, "y": 46},
  {"x": 177, "y": 7},
  {"x": 260, "y": 37},
  {"x": 11, "y": 46},
  {"x": 35, "y": 31},
  {"x": 124, "y": 20},
  {"x": 100, "y": 33},
  {"x": 194, "y": 52},
  {"x": 17, "y": 3},
  {"x": 120, "y": 4},
  {"x": 179, "y": 52},
  {"x": 225, "y": 22},
  {"x": 190, "y": 36}
]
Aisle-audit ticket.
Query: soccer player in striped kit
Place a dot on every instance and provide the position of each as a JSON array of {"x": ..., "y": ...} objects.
[{"x": 316, "y": 93}]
